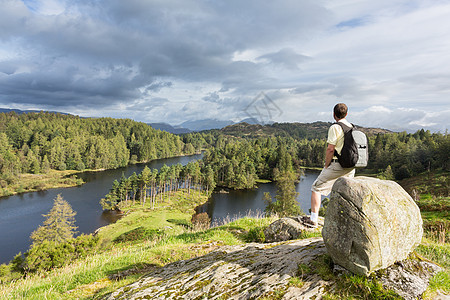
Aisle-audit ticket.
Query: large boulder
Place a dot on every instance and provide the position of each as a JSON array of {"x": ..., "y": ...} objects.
[{"x": 370, "y": 224}]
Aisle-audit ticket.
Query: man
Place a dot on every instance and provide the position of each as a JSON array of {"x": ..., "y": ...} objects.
[{"x": 332, "y": 169}]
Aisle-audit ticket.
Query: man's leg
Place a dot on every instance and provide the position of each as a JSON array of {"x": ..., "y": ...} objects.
[
  {"x": 323, "y": 185},
  {"x": 315, "y": 205}
]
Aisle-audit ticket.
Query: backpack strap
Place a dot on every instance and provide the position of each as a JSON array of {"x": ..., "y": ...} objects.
[{"x": 346, "y": 129}]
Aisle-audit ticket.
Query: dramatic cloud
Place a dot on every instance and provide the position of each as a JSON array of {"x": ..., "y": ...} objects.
[{"x": 179, "y": 60}]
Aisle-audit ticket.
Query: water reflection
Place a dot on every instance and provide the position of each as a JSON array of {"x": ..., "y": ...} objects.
[
  {"x": 21, "y": 214},
  {"x": 110, "y": 216},
  {"x": 230, "y": 204}
]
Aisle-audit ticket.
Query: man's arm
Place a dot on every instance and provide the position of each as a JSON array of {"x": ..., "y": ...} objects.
[{"x": 329, "y": 155}]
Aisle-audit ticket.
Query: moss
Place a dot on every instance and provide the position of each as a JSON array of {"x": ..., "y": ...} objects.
[
  {"x": 296, "y": 282},
  {"x": 202, "y": 283},
  {"x": 346, "y": 286},
  {"x": 183, "y": 292},
  {"x": 273, "y": 245},
  {"x": 303, "y": 270},
  {"x": 275, "y": 294},
  {"x": 323, "y": 266}
]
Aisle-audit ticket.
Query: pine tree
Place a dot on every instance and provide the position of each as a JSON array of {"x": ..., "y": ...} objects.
[
  {"x": 388, "y": 174},
  {"x": 59, "y": 225},
  {"x": 286, "y": 198}
]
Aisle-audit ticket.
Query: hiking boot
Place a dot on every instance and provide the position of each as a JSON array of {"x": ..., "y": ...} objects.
[{"x": 307, "y": 222}]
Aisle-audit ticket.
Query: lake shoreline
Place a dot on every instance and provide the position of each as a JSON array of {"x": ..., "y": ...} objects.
[
  {"x": 30, "y": 183},
  {"x": 23, "y": 213}
]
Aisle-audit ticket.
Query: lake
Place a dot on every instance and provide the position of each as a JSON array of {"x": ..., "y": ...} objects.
[
  {"x": 21, "y": 214},
  {"x": 232, "y": 204}
]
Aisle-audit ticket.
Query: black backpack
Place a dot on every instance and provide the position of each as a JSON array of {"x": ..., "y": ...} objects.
[{"x": 355, "y": 151}]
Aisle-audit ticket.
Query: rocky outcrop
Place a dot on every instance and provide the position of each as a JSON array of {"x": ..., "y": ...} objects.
[
  {"x": 370, "y": 224},
  {"x": 247, "y": 271},
  {"x": 288, "y": 270},
  {"x": 285, "y": 229},
  {"x": 409, "y": 278}
]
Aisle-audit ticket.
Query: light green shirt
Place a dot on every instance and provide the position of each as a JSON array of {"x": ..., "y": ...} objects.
[{"x": 336, "y": 135}]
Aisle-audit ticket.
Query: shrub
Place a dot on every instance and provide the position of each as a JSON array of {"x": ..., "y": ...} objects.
[
  {"x": 18, "y": 263},
  {"x": 256, "y": 234},
  {"x": 50, "y": 254},
  {"x": 201, "y": 220},
  {"x": 437, "y": 230},
  {"x": 4, "y": 270},
  {"x": 7, "y": 274},
  {"x": 323, "y": 209}
]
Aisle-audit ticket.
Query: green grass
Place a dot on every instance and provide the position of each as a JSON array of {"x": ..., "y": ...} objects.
[
  {"x": 95, "y": 275},
  {"x": 431, "y": 193},
  {"x": 39, "y": 182},
  {"x": 82, "y": 276},
  {"x": 435, "y": 183},
  {"x": 428, "y": 202},
  {"x": 172, "y": 215},
  {"x": 440, "y": 254},
  {"x": 345, "y": 286},
  {"x": 263, "y": 181}
]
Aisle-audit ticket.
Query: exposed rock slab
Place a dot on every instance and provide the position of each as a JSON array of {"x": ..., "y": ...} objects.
[
  {"x": 370, "y": 224},
  {"x": 251, "y": 271},
  {"x": 409, "y": 278},
  {"x": 234, "y": 272}
]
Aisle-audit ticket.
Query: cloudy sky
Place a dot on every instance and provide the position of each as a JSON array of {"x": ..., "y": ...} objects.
[{"x": 178, "y": 60}]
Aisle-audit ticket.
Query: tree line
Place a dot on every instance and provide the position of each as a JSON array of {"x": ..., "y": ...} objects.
[
  {"x": 37, "y": 142},
  {"x": 410, "y": 154},
  {"x": 239, "y": 161}
]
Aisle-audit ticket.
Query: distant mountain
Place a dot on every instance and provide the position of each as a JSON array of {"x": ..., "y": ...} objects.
[
  {"x": 205, "y": 124},
  {"x": 209, "y": 124},
  {"x": 244, "y": 129},
  {"x": 169, "y": 128},
  {"x": 251, "y": 121},
  {"x": 316, "y": 130},
  {"x": 18, "y": 111}
]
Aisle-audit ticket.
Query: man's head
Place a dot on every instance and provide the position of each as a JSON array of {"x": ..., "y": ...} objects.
[{"x": 340, "y": 111}]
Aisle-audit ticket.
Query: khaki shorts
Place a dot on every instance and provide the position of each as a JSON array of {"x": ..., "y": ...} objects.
[{"x": 328, "y": 176}]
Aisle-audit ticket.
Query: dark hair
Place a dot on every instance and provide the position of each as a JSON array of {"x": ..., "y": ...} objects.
[{"x": 340, "y": 110}]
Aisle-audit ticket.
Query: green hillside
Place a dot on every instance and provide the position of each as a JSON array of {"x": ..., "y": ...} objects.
[{"x": 316, "y": 130}]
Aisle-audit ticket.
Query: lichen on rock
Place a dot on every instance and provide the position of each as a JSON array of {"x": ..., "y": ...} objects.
[
  {"x": 299, "y": 269},
  {"x": 233, "y": 272},
  {"x": 370, "y": 224}
]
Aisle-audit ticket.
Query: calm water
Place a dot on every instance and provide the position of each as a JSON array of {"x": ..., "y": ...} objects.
[
  {"x": 235, "y": 204},
  {"x": 22, "y": 214}
]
